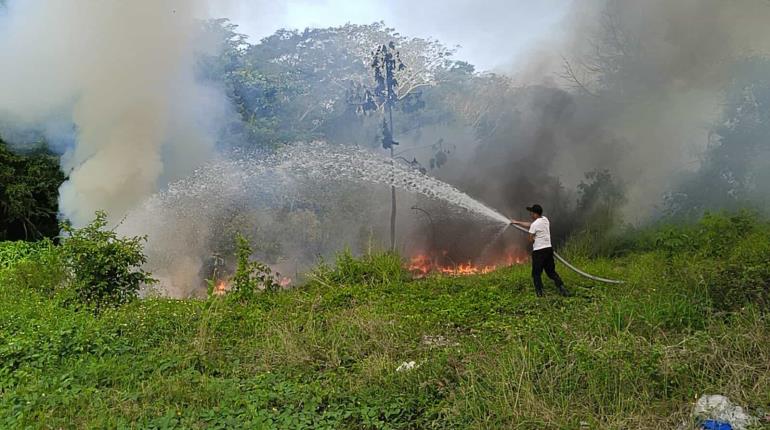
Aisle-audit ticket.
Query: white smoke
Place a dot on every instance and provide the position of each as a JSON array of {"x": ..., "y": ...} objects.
[{"x": 122, "y": 73}]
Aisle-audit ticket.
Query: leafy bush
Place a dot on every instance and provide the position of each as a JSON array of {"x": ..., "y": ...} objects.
[
  {"x": 105, "y": 269},
  {"x": 718, "y": 233},
  {"x": 674, "y": 239},
  {"x": 36, "y": 266},
  {"x": 745, "y": 275},
  {"x": 250, "y": 276},
  {"x": 385, "y": 267},
  {"x": 733, "y": 249},
  {"x": 11, "y": 253},
  {"x": 729, "y": 251}
]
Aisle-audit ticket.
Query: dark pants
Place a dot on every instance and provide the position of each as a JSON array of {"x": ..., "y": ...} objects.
[{"x": 542, "y": 259}]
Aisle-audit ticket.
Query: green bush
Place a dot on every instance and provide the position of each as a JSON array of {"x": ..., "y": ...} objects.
[
  {"x": 38, "y": 267},
  {"x": 11, "y": 253},
  {"x": 382, "y": 268},
  {"x": 718, "y": 233},
  {"x": 105, "y": 270},
  {"x": 250, "y": 276},
  {"x": 745, "y": 275}
]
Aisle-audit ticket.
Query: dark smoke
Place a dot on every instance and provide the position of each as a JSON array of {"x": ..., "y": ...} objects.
[{"x": 634, "y": 87}]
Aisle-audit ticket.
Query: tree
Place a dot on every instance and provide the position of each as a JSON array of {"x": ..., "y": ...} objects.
[
  {"x": 29, "y": 185},
  {"x": 600, "y": 200},
  {"x": 298, "y": 85},
  {"x": 612, "y": 59},
  {"x": 386, "y": 61},
  {"x": 735, "y": 165}
]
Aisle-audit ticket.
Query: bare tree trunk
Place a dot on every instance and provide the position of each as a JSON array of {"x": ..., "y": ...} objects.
[{"x": 392, "y": 190}]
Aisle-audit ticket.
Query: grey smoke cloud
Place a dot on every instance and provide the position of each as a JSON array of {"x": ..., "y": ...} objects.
[
  {"x": 122, "y": 73},
  {"x": 651, "y": 77}
]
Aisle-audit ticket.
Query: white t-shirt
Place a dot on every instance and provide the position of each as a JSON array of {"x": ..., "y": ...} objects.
[{"x": 541, "y": 228}]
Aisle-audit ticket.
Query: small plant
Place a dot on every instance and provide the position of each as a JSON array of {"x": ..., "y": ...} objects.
[
  {"x": 250, "y": 276},
  {"x": 12, "y": 253},
  {"x": 105, "y": 269}
]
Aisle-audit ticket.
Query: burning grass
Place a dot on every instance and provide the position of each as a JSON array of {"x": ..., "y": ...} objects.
[{"x": 424, "y": 264}]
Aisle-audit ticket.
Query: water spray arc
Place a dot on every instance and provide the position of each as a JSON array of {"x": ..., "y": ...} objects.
[{"x": 321, "y": 159}]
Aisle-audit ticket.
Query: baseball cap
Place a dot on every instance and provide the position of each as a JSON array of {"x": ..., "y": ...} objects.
[{"x": 536, "y": 209}]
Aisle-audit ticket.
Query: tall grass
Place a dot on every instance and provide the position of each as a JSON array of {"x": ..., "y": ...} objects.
[{"x": 488, "y": 353}]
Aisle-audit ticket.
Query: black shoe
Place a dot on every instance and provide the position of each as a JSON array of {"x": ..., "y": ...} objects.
[
  {"x": 564, "y": 292},
  {"x": 539, "y": 293}
]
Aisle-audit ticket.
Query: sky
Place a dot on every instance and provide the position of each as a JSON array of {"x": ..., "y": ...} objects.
[{"x": 492, "y": 34}]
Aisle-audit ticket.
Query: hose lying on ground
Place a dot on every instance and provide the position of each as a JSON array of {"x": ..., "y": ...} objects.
[{"x": 575, "y": 269}]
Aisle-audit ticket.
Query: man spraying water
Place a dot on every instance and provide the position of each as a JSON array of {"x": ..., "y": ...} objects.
[
  {"x": 542, "y": 251},
  {"x": 342, "y": 162}
]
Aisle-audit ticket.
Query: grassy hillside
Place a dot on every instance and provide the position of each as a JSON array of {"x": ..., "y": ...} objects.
[{"x": 488, "y": 353}]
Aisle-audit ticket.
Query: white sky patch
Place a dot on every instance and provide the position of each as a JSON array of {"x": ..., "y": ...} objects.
[{"x": 492, "y": 33}]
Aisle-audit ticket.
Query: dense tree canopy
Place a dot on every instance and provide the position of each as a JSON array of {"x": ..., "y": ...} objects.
[
  {"x": 29, "y": 185},
  {"x": 304, "y": 85}
]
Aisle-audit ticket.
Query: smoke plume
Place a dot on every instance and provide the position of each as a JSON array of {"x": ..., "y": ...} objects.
[
  {"x": 636, "y": 87},
  {"x": 121, "y": 73}
]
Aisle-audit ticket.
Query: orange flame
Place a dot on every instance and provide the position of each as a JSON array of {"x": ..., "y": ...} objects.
[
  {"x": 421, "y": 265},
  {"x": 221, "y": 288}
]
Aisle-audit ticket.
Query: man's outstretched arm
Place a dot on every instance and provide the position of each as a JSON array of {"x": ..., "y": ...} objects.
[{"x": 524, "y": 224}]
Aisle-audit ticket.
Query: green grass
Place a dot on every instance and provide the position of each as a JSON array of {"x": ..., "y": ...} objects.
[{"x": 489, "y": 353}]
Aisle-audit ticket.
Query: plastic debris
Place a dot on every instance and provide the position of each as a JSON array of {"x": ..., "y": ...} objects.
[
  {"x": 717, "y": 412},
  {"x": 715, "y": 425},
  {"x": 437, "y": 341},
  {"x": 406, "y": 366}
]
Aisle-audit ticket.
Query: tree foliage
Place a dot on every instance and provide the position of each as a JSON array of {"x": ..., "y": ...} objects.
[
  {"x": 600, "y": 199},
  {"x": 735, "y": 166},
  {"x": 29, "y": 185},
  {"x": 305, "y": 85}
]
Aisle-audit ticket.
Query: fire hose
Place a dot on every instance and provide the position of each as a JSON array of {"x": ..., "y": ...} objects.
[{"x": 573, "y": 268}]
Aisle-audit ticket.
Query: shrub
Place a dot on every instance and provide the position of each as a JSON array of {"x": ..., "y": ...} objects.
[
  {"x": 36, "y": 266},
  {"x": 105, "y": 269},
  {"x": 11, "y": 253},
  {"x": 250, "y": 276},
  {"x": 745, "y": 275},
  {"x": 673, "y": 239},
  {"x": 383, "y": 268},
  {"x": 719, "y": 232}
]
